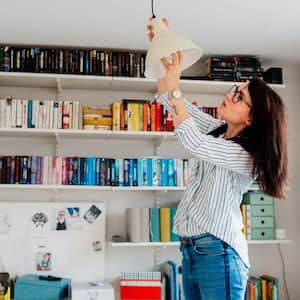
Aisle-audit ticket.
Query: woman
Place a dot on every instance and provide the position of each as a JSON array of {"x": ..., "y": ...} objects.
[{"x": 247, "y": 143}]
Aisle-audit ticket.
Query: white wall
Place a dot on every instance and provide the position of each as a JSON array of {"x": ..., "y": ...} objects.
[{"x": 264, "y": 258}]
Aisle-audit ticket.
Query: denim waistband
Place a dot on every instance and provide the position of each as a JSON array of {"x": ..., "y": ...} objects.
[{"x": 190, "y": 240}]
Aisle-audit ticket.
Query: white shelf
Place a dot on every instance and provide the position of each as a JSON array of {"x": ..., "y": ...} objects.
[
  {"x": 66, "y": 81},
  {"x": 87, "y": 134},
  {"x": 96, "y": 187},
  {"x": 167, "y": 244},
  {"x": 87, "y": 187}
]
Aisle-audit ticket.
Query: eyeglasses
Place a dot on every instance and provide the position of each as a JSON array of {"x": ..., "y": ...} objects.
[{"x": 237, "y": 96}]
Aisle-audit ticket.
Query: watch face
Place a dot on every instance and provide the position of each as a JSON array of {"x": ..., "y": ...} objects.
[{"x": 177, "y": 94}]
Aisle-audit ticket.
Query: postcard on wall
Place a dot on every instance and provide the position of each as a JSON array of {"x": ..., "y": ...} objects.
[
  {"x": 38, "y": 224},
  {"x": 43, "y": 259},
  {"x": 5, "y": 222},
  {"x": 92, "y": 214},
  {"x": 64, "y": 219}
]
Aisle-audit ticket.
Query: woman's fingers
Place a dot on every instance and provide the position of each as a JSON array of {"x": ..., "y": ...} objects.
[
  {"x": 165, "y": 63},
  {"x": 166, "y": 22},
  {"x": 175, "y": 59},
  {"x": 180, "y": 57}
]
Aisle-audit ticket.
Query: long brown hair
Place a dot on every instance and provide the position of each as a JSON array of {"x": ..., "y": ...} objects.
[{"x": 266, "y": 139}]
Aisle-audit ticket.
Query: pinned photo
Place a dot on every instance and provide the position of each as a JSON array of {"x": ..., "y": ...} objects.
[
  {"x": 43, "y": 261},
  {"x": 59, "y": 219},
  {"x": 92, "y": 214},
  {"x": 39, "y": 220},
  {"x": 66, "y": 219},
  {"x": 38, "y": 224}
]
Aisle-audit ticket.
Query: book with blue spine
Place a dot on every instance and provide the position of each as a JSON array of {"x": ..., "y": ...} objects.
[
  {"x": 130, "y": 172},
  {"x": 144, "y": 172},
  {"x": 135, "y": 172},
  {"x": 140, "y": 172},
  {"x": 97, "y": 180},
  {"x": 171, "y": 171},
  {"x": 29, "y": 115},
  {"x": 154, "y": 172},
  {"x": 102, "y": 172},
  {"x": 174, "y": 237},
  {"x": 126, "y": 171},
  {"x": 154, "y": 224},
  {"x": 120, "y": 172},
  {"x": 149, "y": 172},
  {"x": 164, "y": 172},
  {"x": 113, "y": 172}
]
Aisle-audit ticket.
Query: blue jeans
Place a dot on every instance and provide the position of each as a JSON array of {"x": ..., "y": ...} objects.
[{"x": 211, "y": 269}]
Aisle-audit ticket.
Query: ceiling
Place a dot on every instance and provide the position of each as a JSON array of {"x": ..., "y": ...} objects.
[{"x": 270, "y": 29}]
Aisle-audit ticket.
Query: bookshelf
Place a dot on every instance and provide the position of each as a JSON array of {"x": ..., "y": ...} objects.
[
  {"x": 63, "y": 81},
  {"x": 176, "y": 244},
  {"x": 84, "y": 84}
]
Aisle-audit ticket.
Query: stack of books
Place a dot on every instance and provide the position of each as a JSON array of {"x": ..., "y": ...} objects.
[
  {"x": 140, "y": 285},
  {"x": 233, "y": 68},
  {"x": 95, "y": 118}
]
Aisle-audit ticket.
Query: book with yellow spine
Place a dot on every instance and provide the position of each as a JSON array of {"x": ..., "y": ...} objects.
[{"x": 165, "y": 224}]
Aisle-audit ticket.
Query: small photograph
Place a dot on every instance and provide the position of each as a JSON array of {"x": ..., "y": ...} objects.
[
  {"x": 74, "y": 218},
  {"x": 92, "y": 214},
  {"x": 43, "y": 261},
  {"x": 65, "y": 219},
  {"x": 5, "y": 222},
  {"x": 74, "y": 212},
  {"x": 59, "y": 221},
  {"x": 38, "y": 224}
]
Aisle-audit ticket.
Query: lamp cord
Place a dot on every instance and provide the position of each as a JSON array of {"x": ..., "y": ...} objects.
[{"x": 153, "y": 15}]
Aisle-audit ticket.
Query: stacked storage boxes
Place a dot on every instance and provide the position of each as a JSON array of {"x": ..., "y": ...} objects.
[{"x": 262, "y": 216}]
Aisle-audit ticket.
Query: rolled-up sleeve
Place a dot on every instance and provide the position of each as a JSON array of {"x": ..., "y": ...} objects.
[{"x": 218, "y": 151}]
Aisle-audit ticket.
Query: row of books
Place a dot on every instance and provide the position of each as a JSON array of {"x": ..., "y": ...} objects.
[
  {"x": 150, "y": 224},
  {"x": 140, "y": 285},
  {"x": 141, "y": 115},
  {"x": 19, "y": 113},
  {"x": 102, "y": 62},
  {"x": 265, "y": 287},
  {"x": 129, "y": 114},
  {"x": 94, "y": 171},
  {"x": 233, "y": 68}
]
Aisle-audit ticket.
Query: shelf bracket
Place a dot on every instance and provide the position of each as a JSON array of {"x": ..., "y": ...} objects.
[
  {"x": 157, "y": 199},
  {"x": 55, "y": 194},
  {"x": 157, "y": 145},
  {"x": 59, "y": 89},
  {"x": 57, "y": 144},
  {"x": 157, "y": 257}
]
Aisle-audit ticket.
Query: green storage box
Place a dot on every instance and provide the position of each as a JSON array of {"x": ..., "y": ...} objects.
[
  {"x": 262, "y": 222},
  {"x": 262, "y": 210},
  {"x": 262, "y": 234}
]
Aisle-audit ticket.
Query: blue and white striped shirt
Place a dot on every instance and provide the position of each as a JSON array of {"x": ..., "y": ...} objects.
[{"x": 221, "y": 174}]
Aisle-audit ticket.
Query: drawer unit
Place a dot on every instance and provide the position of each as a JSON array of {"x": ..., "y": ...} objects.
[
  {"x": 262, "y": 234},
  {"x": 262, "y": 210},
  {"x": 262, "y": 222},
  {"x": 255, "y": 198}
]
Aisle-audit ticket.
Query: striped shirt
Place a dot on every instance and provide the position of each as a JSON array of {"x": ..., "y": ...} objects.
[{"x": 221, "y": 174}]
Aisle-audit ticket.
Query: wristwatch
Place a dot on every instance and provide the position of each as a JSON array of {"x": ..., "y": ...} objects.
[{"x": 175, "y": 94}]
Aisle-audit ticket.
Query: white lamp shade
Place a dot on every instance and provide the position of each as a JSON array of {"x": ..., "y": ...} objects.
[{"x": 163, "y": 44}]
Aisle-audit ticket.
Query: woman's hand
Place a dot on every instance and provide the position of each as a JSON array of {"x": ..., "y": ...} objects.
[
  {"x": 173, "y": 69},
  {"x": 179, "y": 112}
]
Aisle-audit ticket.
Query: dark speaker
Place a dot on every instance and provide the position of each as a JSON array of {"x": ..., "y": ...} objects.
[{"x": 273, "y": 75}]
